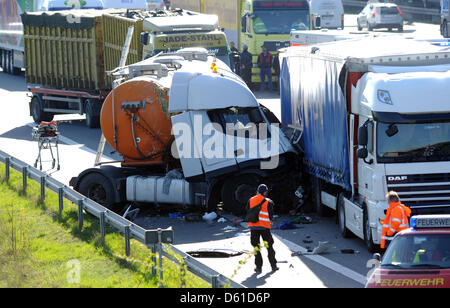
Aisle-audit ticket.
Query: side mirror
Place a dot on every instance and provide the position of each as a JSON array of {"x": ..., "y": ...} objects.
[
  {"x": 144, "y": 38},
  {"x": 376, "y": 256},
  {"x": 317, "y": 22},
  {"x": 362, "y": 153},
  {"x": 363, "y": 136}
]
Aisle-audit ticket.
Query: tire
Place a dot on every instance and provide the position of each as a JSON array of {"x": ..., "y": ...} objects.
[
  {"x": 400, "y": 28},
  {"x": 92, "y": 114},
  {"x": 97, "y": 188},
  {"x": 369, "y": 27},
  {"x": 37, "y": 112},
  {"x": 368, "y": 239},
  {"x": 445, "y": 30},
  {"x": 341, "y": 218},
  {"x": 236, "y": 191},
  {"x": 359, "y": 26},
  {"x": 7, "y": 62}
]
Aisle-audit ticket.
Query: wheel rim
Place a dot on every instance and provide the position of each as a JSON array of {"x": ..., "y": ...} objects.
[{"x": 97, "y": 193}]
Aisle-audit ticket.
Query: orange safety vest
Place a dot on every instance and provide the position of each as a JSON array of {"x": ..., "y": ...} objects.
[
  {"x": 264, "y": 218},
  {"x": 397, "y": 219}
]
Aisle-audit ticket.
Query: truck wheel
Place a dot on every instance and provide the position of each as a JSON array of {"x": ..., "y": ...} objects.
[
  {"x": 368, "y": 239},
  {"x": 341, "y": 217},
  {"x": 97, "y": 188},
  {"x": 92, "y": 114},
  {"x": 6, "y": 62},
  {"x": 237, "y": 191},
  {"x": 37, "y": 112}
]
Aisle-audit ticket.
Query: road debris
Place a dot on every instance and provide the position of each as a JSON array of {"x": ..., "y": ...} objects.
[
  {"x": 322, "y": 248},
  {"x": 229, "y": 228}
]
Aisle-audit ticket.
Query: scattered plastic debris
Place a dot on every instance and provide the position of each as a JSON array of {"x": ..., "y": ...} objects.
[
  {"x": 322, "y": 248},
  {"x": 349, "y": 251},
  {"x": 242, "y": 234},
  {"x": 302, "y": 219},
  {"x": 287, "y": 225},
  {"x": 193, "y": 217},
  {"x": 209, "y": 217},
  {"x": 175, "y": 215},
  {"x": 229, "y": 228}
]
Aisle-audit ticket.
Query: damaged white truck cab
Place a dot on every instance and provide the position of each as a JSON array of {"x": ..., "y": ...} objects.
[
  {"x": 190, "y": 133},
  {"x": 384, "y": 120}
]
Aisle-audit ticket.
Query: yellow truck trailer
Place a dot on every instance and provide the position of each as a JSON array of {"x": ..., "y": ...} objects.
[
  {"x": 255, "y": 22},
  {"x": 67, "y": 62}
]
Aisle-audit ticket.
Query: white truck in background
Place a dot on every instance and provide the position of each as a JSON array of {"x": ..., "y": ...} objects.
[
  {"x": 373, "y": 120},
  {"x": 326, "y": 14}
]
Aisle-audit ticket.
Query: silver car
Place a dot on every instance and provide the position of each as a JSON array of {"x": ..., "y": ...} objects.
[{"x": 380, "y": 15}]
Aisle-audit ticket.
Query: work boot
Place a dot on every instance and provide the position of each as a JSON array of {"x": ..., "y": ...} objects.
[
  {"x": 275, "y": 268},
  {"x": 258, "y": 270}
]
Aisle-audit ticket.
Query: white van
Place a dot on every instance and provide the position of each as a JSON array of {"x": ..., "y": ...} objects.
[{"x": 327, "y": 14}]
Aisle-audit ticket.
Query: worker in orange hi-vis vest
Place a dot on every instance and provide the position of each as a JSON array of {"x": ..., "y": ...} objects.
[
  {"x": 397, "y": 219},
  {"x": 261, "y": 228}
]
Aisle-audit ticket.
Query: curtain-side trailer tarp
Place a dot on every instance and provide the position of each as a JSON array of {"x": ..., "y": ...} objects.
[{"x": 312, "y": 100}]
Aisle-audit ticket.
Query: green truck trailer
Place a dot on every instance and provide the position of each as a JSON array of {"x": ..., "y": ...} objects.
[{"x": 67, "y": 62}]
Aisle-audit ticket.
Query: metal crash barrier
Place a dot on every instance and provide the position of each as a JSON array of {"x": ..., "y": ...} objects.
[{"x": 159, "y": 240}]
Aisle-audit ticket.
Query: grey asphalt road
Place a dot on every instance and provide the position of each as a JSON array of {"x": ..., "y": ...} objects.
[{"x": 77, "y": 151}]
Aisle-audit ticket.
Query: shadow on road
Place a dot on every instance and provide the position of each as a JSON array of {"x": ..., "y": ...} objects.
[{"x": 13, "y": 83}]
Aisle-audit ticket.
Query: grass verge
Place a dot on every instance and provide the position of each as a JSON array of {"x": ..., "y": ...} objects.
[{"x": 40, "y": 249}]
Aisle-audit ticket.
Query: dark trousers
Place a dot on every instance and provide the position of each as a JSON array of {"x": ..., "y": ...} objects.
[
  {"x": 263, "y": 73},
  {"x": 246, "y": 74},
  {"x": 266, "y": 236}
]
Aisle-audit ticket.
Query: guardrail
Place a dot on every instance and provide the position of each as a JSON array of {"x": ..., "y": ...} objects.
[
  {"x": 152, "y": 239},
  {"x": 433, "y": 15}
]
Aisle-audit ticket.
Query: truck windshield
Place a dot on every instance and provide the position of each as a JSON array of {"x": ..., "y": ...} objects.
[
  {"x": 418, "y": 251},
  {"x": 280, "y": 21},
  {"x": 418, "y": 142}
]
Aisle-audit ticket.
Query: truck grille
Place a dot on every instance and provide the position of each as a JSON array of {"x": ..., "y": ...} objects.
[{"x": 423, "y": 193}]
